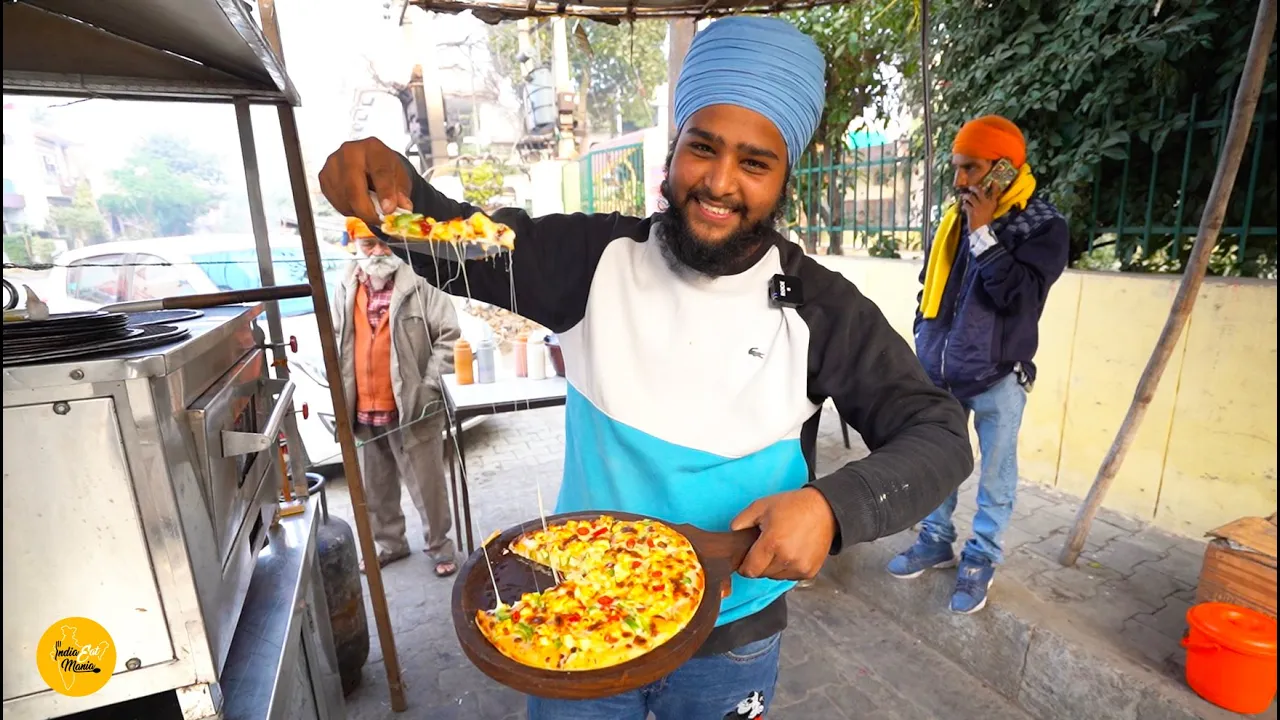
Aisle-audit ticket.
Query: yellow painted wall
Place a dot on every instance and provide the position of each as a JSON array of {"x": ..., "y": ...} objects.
[{"x": 1206, "y": 451}]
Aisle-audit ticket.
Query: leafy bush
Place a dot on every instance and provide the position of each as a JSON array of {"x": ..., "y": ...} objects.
[{"x": 27, "y": 248}]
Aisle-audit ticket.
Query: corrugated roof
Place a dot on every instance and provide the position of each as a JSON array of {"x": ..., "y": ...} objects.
[
  {"x": 494, "y": 11},
  {"x": 197, "y": 49}
]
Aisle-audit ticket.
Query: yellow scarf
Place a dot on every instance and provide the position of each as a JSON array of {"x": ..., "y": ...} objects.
[{"x": 945, "y": 242}]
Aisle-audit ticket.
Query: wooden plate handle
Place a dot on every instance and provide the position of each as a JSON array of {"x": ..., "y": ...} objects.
[
  {"x": 728, "y": 547},
  {"x": 739, "y": 544}
]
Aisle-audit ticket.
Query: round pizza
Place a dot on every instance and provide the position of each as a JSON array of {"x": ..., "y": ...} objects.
[
  {"x": 625, "y": 587},
  {"x": 478, "y": 230}
]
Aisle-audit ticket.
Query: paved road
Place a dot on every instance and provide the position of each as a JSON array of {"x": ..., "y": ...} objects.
[{"x": 841, "y": 658}]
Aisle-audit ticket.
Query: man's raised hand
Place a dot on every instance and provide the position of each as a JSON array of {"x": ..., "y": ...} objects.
[{"x": 358, "y": 167}]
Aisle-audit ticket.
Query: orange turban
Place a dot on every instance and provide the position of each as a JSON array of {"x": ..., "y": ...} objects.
[
  {"x": 356, "y": 229},
  {"x": 991, "y": 138}
]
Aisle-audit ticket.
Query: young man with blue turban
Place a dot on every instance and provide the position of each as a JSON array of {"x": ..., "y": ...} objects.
[{"x": 695, "y": 393}]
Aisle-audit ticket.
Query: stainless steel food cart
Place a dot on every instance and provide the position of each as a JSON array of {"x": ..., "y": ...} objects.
[{"x": 140, "y": 488}]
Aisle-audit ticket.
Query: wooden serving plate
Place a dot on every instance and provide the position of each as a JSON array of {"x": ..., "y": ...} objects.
[{"x": 719, "y": 553}]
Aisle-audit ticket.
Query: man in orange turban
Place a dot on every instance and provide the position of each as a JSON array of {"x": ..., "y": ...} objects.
[
  {"x": 986, "y": 277},
  {"x": 356, "y": 230}
]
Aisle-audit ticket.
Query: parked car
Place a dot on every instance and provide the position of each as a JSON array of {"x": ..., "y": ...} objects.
[{"x": 88, "y": 278}]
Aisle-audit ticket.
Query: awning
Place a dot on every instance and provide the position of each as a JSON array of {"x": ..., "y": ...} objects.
[
  {"x": 176, "y": 49},
  {"x": 495, "y": 11}
]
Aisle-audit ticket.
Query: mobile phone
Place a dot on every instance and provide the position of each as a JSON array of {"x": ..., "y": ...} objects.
[{"x": 1001, "y": 176}]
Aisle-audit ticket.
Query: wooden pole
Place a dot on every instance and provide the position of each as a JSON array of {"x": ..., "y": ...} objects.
[
  {"x": 1246, "y": 102},
  {"x": 346, "y": 439},
  {"x": 680, "y": 33}
]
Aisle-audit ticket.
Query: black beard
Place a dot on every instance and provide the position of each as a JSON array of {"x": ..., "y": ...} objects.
[{"x": 681, "y": 246}]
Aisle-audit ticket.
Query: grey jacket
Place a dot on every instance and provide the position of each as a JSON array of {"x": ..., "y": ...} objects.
[{"x": 424, "y": 327}]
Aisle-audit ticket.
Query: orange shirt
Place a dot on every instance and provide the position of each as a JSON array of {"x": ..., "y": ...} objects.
[{"x": 372, "y": 359}]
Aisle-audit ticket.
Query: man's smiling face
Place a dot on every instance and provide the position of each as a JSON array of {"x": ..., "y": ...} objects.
[
  {"x": 728, "y": 171},
  {"x": 725, "y": 183}
]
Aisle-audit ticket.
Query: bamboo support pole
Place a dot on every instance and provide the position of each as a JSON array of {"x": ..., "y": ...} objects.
[
  {"x": 1215, "y": 210},
  {"x": 346, "y": 438}
]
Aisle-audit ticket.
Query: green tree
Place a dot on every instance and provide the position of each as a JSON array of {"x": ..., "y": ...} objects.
[
  {"x": 1092, "y": 82},
  {"x": 81, "y": 221},
  {"x": 164, "y": 186},
  {"x": 868, "y": 47},
  {"x": 481, "y": 183},
  {"x": 617, "y": 67}
]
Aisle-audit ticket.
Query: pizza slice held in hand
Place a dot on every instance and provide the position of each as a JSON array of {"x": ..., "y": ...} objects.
[{"x": 476, "y": 230}]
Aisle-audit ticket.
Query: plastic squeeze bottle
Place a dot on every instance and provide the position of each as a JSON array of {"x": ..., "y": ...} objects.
[
  {"x": 486, "y": 371},
  {"x": 462, "y": 362},
  {"x": 522, "y": 355},
  {"x": 537, "y": 360}
]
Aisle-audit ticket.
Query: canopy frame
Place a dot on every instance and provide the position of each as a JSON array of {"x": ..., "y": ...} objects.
[{"x": 212, "y": 51}]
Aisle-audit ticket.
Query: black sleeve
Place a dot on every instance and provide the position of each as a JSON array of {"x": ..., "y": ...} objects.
[
  {"x": 551, "y": 268},
  {"x": 917, "y": 433}
]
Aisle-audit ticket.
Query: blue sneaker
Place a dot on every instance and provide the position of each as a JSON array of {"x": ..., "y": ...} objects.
[
  {"x": 972, "y": 582},
  {"x": 925, "y": 554}
]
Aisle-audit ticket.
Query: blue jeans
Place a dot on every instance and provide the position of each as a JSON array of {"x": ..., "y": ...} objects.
[
  {"x": 997, "y": 416},
  {"x": 737, "y": 684}
]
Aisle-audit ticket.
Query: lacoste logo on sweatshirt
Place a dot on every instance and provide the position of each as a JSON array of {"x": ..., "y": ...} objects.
[{"x": 755, "y": 352}]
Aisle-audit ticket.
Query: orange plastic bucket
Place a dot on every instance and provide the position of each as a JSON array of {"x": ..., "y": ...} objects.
[{"x": 1231, "y": 656}]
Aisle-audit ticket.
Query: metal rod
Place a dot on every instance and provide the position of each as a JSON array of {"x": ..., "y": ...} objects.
[
  {"x": 910, "y": 172},
  {"x": 210, "y": 300},
  {"x": 893, "y": 199},
  {"x": 1124, "y": 186},
  {"x": 1253, "y": 180},
  {"x": 1246, "y": 102},
  {"x": 926, "y": 236},
  {"x": 267, "y": 273},
  {"x": 341, "y": 413},
  {"x": 1151, "y": 193},
  {"x": 1182, "y": 184}
]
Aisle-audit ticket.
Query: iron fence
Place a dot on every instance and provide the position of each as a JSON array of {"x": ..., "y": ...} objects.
[
  {"x": 870, "y": 198},
  {"x": 1162, "y": 193},
  {"x": 1146, "y": 197},
  {"x": 612, "y": 180}
]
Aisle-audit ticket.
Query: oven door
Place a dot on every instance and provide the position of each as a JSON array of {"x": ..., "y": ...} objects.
[{"x": 237, "y": 422}]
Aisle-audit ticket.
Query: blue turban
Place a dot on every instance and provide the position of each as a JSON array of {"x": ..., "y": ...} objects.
[{"x": 762, "y": 64}]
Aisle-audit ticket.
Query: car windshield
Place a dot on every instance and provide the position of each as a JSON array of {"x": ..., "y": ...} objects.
[{"x": 238, "y": 270}]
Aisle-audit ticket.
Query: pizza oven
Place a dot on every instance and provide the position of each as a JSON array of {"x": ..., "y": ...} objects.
[{"x": 138, "y": 490}]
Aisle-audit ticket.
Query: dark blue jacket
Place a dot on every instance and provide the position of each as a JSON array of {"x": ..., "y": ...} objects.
[{"x": 988, "y": 323}]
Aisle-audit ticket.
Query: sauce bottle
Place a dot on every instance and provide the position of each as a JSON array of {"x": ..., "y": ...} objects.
[
  {"x": 462, "y": 362},
  {"x": 537, "y": 359},
  {"x": 522, "y": 355},
  {"x": 486, "y": 372}
]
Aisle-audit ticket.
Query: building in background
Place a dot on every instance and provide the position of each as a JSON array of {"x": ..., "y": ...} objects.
[{"x": 41, "y": 170}]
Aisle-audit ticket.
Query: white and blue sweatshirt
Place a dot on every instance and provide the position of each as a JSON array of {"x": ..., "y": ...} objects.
[{"x": 691, "y": 397}]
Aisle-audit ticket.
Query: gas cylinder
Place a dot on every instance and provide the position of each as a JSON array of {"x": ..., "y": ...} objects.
[{"x": 340, "y": 572}]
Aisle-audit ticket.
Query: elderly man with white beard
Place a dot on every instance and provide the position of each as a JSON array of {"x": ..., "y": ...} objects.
[{"x": 395, "y": 337}]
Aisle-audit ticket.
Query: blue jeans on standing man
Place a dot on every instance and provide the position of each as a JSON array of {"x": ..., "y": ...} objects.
[
  {"x": 997, "y": 416},
  {"x": 733, "y": 685}
]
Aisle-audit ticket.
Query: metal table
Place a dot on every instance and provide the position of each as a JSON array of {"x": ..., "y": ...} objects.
[{"x": 463, "y": 402}]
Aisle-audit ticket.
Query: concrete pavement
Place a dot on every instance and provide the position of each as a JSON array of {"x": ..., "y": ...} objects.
[
  {"x": 1100, "y": 640},
  {"x": 842, "y": 659}
]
